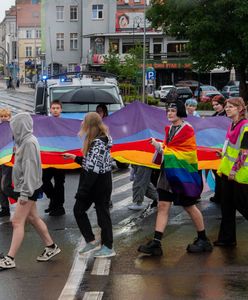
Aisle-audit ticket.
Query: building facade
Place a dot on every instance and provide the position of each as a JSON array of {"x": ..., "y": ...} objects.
[
  {"x": 8, "y": 43},
  {"x": 28, "y": 25},
  {"x": 67, "y": 25}
]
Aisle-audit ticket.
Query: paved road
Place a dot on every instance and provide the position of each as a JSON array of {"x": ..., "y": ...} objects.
[{"x": 177, "y": 275}]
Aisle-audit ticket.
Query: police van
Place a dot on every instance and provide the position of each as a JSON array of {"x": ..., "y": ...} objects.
[{"x": 79, "y": 93}]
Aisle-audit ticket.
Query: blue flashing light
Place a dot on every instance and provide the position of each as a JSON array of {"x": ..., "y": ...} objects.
[{"x": 44, "y": 77}]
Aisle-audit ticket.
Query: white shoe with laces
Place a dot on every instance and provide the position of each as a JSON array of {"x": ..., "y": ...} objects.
[
  {"x": 7, "y": 263},
  {"x": 48, "y": 253}
]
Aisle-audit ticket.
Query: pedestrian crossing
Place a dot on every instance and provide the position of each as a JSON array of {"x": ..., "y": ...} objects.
[{"x": 16, "y": 102}]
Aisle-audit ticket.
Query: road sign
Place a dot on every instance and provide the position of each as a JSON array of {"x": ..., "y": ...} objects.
[{"x": 150, "y": 75}]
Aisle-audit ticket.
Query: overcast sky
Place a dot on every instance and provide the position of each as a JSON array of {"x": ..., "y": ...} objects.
[{"x": 5, "y": 5}]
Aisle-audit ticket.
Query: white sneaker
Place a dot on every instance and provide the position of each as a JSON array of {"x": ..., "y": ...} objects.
[
  {"x": 90, "y": 247},
  {"x": 136, "y": 206},
  {"x": 7, "y": 263},
  {"x": 48, "y": 253}
]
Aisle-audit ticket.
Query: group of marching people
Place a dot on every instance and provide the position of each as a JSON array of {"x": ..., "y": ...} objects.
[{"x": 179, "y": 182}]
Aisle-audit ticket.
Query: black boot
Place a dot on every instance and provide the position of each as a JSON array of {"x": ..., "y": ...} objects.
[
  {"x": 59, "y": 211},
  {"x": 199, "y": 246},
  {"x": 152, "y": 248},
  {"x": 4, "y": 212}
]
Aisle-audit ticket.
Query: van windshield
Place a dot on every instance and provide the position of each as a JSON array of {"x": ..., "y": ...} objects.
[{"x": 57, "y": 92}]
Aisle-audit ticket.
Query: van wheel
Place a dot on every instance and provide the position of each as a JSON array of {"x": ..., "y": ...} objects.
[{"x": 121, "y": 165}]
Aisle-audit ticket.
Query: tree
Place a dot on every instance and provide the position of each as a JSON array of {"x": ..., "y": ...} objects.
[
  {"x": 112, "y": 63},
  {"x": 128, "y": 70},
  {"x": 217, "y": 31}
]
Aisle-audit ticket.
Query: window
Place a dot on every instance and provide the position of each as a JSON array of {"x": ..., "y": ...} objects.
[
  {"x": 71, "y": 67},
  {"x": 60, "y": 41},
  {"x": 136, "y": 1},
  {"x": 97, "y": 11},
  {"x": 60, "y": 13},
  {"x": 37, "y": 33},
  {"x": 28, "y": 51},
  {"x": 28, "y": 34},
  {"x": 73, "y": 13},
  {"x": 114, "y": 45},
  {"x": 37, "y": 51},
  {"x": 73, "y": 40}
]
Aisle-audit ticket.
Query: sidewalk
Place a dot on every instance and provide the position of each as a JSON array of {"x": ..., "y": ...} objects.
[{"x": 24, "y": 88}]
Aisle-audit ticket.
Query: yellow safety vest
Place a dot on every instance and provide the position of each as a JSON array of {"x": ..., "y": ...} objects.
[{"x": 230, "y": 155}]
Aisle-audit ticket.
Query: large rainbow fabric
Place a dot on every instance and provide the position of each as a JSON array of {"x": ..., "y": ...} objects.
[
  {"x": 55, "y": 135},
  {"x": 131, "y": 129},
  {"x": 133, "y": 126},
  {"x": 181, "y": 164}
]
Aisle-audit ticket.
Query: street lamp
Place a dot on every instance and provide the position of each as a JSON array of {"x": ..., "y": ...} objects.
[
  {"x": 137, "y": 20},
  {"x": 144, "y": 57}
]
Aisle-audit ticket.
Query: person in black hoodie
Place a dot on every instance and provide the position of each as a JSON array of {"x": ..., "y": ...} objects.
[
  {"x": 95, "y": 185},
  {"x": 218, "y": 103}
]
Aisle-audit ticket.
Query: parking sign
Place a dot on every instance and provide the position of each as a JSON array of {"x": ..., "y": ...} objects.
[{"x": 151, "y": 75}]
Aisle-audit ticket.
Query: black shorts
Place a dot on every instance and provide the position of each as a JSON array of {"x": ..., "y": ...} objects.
[
  {"x": 35, "y": 195},
  {"x": 181, "y": 200}
]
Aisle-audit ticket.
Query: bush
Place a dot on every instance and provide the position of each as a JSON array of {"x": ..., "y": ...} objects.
[
  {"x": 204, "y": 106},
  {"x": 127, "y": 89},
  {"x": 131, "y": 98}
]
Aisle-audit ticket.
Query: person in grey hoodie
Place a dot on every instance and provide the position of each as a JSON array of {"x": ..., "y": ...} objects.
[{"x": 27, "y": 179}]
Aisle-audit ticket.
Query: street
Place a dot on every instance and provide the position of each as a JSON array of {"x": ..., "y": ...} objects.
[
  {"x": 221, "y": 274},
  {"x": 177, "y": 275}
]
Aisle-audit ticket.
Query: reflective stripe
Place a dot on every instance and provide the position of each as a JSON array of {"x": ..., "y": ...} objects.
[
  {"x": 234, "y": 159},
  {"x": 230, "y": 157}
]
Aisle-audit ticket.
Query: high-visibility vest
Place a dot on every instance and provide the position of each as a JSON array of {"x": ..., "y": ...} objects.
[{"x": 231, "y": 151}]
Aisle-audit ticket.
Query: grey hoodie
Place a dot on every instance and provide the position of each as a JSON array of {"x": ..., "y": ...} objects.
[{"x": 27, "y": 171}]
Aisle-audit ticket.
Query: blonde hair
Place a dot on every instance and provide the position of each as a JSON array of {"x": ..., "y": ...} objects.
[
  {"x": 238, "y": 102},
  {"x": 5, "y": 112},
  {"x": 92, "y": 127}
]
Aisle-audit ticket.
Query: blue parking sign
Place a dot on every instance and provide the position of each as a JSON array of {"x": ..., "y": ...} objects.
[{"x": 151, "y": 75}]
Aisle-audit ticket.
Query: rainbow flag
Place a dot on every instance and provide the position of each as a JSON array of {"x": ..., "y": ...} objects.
[{"x": 181, "y": 163}]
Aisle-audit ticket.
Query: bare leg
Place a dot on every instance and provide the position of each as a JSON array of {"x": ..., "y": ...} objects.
[
  {"x": 162, "y": 216},
  {"x": 196, "y": 217},
  {"x": 18, "y": 223},
  {"x": 40, "y": 226}
]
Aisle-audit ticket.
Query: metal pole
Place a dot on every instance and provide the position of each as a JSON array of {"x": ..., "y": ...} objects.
[
  {"x": 35, "y": 62},
  {"x": 144, "y": 57},
  {"x": 51, "y": 51}
]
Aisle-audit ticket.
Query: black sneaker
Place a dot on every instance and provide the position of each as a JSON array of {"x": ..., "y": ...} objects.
[
  {"x": 199, "y": 246},
  {"x": 154, "y": 204},
  {"x": 214, "y": 199},
  {"x": 151, "y": 248},
  {"x": 47, "y": 210},
  {"x": 57, "y": 212},
  {"x": 4, "y": 213}
]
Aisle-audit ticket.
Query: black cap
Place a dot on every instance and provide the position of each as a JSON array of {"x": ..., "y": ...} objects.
[{"x": 180, "y": 107}]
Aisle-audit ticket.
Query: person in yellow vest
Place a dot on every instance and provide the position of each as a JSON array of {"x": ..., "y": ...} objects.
[{"x": 234, "y": 172}]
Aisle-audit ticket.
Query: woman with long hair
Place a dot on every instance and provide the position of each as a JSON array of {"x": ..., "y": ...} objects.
[
  {"x": 95, "y": 185},
  {"x": 234, "y": 172}
]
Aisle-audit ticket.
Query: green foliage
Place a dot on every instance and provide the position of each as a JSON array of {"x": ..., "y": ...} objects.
[
  {"x": 204, "y": 106},
  {"x": 112, "y": 63},
  {"x": 131, "y": 98},
  {"x": 130, "y": 69},
  {"x": 217, "y": 31},
  {"x": 127, "y": 89}
]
